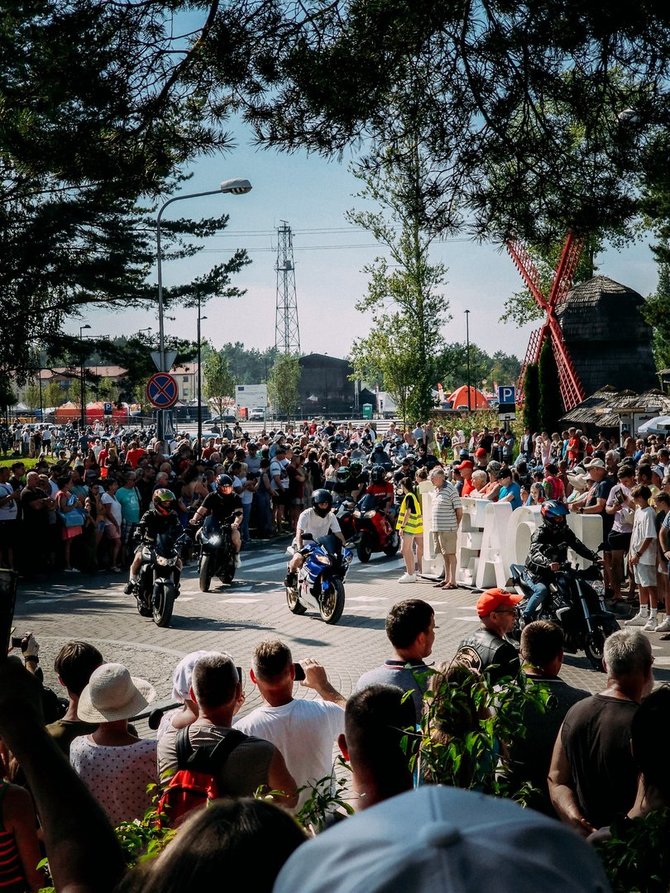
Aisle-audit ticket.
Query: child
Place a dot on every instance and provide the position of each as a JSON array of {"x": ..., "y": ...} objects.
[{"x": 643, "y": 558}]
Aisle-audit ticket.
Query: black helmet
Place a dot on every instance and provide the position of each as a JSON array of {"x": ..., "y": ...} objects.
[
  {"x": 355, "y": 469},
  {"x": 224, "y": 480},
  {"x": 553, "y": 512},
  {"x": 342, "y": 473},
  {"x": 321, "y": 496},
  {"x": 378, "y": 474}
]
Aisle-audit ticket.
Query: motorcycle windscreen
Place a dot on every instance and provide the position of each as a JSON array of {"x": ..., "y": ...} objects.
[{"x": 330, "y": 543}]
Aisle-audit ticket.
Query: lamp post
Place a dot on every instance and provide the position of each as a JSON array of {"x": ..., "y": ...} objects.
[
  {"x": 199, "y": 444},
  {"x": 236, "y": 186},
  {"x": 83, "y": 376},
  {"x": 467, "y": 355}
]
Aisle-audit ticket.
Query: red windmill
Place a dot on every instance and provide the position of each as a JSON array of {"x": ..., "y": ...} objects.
[{"x": 572, "y": 391}]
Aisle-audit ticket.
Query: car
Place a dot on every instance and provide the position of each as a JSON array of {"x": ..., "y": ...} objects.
[
  {"x": 225, "y": 418},
  {"x": 257, "y": 414}
]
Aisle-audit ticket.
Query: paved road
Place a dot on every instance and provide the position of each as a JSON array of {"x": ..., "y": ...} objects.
[{"x": 234, "y": 618}]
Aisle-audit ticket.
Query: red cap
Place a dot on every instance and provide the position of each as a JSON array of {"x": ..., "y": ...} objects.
[
  {"x": 465, "y": 464},
  {"x": 493, "y": 599},
  {"x": 480, "y": 451}
]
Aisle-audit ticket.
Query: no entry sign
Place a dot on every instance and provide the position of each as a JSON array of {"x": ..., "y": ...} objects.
[{"x": 162, "y": 390}]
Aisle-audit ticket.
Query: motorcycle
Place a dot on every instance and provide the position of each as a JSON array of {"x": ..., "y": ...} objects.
[
  {"x": 376, "y": 531},
  {"x": 344, "y": 512},
  {"x": 159, "y": 578},
  {"x": 575, "y": 606},
  {"x": 217, "y": 556},
  {"x": 320, "y": 582}
]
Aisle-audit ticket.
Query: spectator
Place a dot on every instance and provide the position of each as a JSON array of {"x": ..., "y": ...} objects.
[
  {"x": 113, "y": 521},
  {"x": 74, "y": 664},
  {"x": 488, "y": 649},
  {"x": 305, "y": 731},
  {"x": 217, "y": 690},
  {"x": 9, "y": 498},
  {"x": 621, "y": 507},
  {"x": 642, "y": 557},
  {"x": 129, "y": 498},
  {"x": 593, "y": 777},
  {"x": 410, "y": 628},
  {"x": 116, "y": 766},
  {"x": 410, "y": 528},
  {"x": 447, "y": 513},
  {"x": 437, "y": 838}
]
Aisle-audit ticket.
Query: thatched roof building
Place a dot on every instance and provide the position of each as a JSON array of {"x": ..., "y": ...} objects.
[
  {"x": 608, "y": 410},
  {"x": 607, "y": 337}
]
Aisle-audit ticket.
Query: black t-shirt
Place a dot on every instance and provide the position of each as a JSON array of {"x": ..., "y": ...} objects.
[
  {"x": 596, "y": 739},
  {"x": 222, "y": 507},
  {"x": 34, "y": 517}
]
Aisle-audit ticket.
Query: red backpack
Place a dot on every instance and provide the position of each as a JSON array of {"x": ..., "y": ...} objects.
[{"x": 194, "y": 784}]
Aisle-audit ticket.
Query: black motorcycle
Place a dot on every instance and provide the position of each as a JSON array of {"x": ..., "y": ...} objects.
[
  {"x": 217, "y": 555},
  {"x": 159, "y": 577},
  {"x": 575, "y": 605}
]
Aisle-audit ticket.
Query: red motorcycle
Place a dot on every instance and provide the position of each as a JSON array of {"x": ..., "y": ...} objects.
[{"x": 375, "y": 528}]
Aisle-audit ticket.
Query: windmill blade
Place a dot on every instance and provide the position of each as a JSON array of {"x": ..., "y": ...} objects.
[
  {"x": 529, "y": 272},
  {"x": 532, "y": 357},
  {"x": 565, "y": 271},
  {"x": 572, "y": 390}
]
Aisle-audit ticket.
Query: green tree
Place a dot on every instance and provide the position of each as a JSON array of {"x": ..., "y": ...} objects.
[
  {"x": 656, "y": 311},
  {"x": 218, "y": 381},
  {"x": 54, "y": 395},
  {"x": 284, "y": 385},
  {"x": 551, "y": 402},
  {"x": 407, "y": 310},
  {"x": 31, "y": 395},
  {"x": 531, "y": 398}
]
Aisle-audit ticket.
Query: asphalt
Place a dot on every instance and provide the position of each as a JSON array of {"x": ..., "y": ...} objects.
[{"x": 235, "y": 618}]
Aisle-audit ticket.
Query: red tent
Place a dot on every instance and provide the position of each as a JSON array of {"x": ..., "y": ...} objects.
[{"x": 459, "y": 398}]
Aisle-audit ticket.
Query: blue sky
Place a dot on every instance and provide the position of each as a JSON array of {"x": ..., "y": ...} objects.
[{"x": 312, "y": 195}]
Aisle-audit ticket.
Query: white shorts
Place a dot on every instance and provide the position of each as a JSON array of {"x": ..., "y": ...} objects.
[{"x": 645, "y": 574}]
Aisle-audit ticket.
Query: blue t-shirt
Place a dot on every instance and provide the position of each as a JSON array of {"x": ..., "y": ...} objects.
[
  {"x": 513, "y": 488},
  {"x": 130, "y": 504}
]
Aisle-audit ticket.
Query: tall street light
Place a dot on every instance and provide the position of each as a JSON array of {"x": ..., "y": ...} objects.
[
  {"x": 199, "y": 444},
  {"x": 83, "y": 376},
  {"x": 467, "y": 355},
  {"x": 236, "y": 186}
]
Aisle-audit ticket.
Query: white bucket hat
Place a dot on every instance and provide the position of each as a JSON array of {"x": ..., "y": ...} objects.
[{"x": 113, "y": 694}]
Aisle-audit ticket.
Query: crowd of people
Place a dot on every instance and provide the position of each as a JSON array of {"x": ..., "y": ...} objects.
[{"x": 591, "y": 760}]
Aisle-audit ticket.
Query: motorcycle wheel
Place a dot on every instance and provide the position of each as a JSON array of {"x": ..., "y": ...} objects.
[
  {"x": 205, "y": 573},
  {"x": 163, "y": 603},
  {"x": 331, "y": 604},
  {"x": 294, "y": 606},
  {"x": 594, "y": 646},
  {"x": 228, "y": 568},
  {"x": 363, "y": 551},
  {"x": 394, "y": 545}
]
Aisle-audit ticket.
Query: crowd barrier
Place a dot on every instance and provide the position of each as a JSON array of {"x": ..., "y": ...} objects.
[{"x": 492, "y": 537}]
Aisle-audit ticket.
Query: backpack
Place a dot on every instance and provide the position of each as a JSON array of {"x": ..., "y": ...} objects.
[{"x": 194, "y": 784}]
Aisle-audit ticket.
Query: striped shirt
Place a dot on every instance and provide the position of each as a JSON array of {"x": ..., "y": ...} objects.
[{"x": 445, "y": 502}]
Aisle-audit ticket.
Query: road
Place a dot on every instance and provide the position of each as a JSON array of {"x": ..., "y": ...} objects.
[{"x": 234, "y": 618}]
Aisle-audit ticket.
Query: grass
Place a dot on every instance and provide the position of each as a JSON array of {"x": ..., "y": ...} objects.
[{"x": 29, "y": 463}]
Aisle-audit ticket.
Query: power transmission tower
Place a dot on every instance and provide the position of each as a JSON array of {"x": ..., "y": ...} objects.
[{"x": 287, "y": 330}]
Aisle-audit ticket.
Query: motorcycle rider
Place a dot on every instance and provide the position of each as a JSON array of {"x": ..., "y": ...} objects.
[
  {"x": 317, "y": 521},
  {"x": 548, "y": 551},
  {"x": 379, "y": 456},
  {"x": 160, "y": 517},
  {"x": 221, "y": 504},
  {"x": 380, "y": 486}
]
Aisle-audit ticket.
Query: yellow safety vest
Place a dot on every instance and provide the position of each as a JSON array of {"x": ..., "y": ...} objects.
[{"x": 414, "y": 523}]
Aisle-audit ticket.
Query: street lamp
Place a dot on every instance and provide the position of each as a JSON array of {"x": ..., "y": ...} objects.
[
  {"x": 83, "y": 375},
  {"x": 199, "y": 444},
  {"x": 236, "y": 186},
  {"x": 467, "y": 355}
]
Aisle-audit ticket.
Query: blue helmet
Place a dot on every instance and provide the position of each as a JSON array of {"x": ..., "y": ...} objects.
[{"x": 553, "y": 512}]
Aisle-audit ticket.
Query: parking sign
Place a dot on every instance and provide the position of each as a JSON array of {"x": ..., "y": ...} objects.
[{"x": 506, "y": 397}]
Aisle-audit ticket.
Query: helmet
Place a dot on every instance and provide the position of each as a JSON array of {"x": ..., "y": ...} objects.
[
  {"x": 355, "y": 469},
  {"x": 378, "y": 474},
  {"x": 553, "y": 512},
  {"x": 397, "y": 440},
  {"x": 322, "y": 496},
  {"x": 343, "y": 473},
  {"x": 224, "y": 480},
  {"x": 163, "y": 500}
]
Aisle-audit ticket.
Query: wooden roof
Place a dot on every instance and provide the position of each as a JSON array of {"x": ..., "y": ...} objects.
[{"x": 603, "y": 408}]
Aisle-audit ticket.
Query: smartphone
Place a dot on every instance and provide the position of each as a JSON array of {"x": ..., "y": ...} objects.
[
  {"x": 240, "y": 674},
  {"x": 8, "y": 581},
  {"x": 299, "y": 672}
]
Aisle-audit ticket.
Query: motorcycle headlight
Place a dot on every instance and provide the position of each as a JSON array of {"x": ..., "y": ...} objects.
[
  {"x": 323, "y": 559},
  {"x": 215, "y": 539}
]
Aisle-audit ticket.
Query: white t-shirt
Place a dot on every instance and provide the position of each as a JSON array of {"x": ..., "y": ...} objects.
[
  {"x": 117, "y": 511},
  {"x": 246, "y": 496},
  {"x": 9, "y": 509},
  {"x": 310, "y": 522},
  {"x": 644, "y": 526},
  {"x": 304, "y": 731}
]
